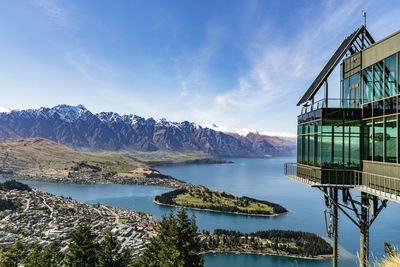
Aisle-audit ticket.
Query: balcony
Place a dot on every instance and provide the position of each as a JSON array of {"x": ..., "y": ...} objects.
[
  {"x": 381, "y": 186},
  {"x": 332, "y": 103}
]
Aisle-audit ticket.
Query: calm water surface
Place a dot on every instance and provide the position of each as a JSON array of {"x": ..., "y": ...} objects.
[{"x": 258, "y": 178}]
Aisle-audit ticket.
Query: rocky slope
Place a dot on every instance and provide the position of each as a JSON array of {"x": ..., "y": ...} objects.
[{"x": 77, "y": 127}]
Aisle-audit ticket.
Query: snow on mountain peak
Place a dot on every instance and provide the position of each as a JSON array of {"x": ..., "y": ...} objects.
[{"x": 68, "y": 113}]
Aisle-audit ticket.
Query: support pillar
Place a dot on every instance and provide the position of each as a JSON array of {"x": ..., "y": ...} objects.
[
  {"x": 326, "y": 93},
  {"x": 335, "y": 229},
  {"x": 364, "y": 231}
]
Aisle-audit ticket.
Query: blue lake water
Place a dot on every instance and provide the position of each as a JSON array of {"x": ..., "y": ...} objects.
[{"x": 258, "y": 178}]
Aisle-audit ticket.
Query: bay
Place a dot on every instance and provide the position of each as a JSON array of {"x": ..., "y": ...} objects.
[{"x": 258, "y": 178}]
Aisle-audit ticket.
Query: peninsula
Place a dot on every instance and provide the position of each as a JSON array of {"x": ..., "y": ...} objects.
[{"x": 198, "y": 197}]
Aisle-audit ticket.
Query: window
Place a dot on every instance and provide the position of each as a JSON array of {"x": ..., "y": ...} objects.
[
  {"x": 368, "y": 138},
  {"x": 378, "y": 108},
  {"x": 354, "y": 91},
  {"x": 337, "y": 145},
  {"x": 378, "y": 139},
  {"x": 352, "y": 144},
  {"x": 367, "y": 109},
  {"x": 367, "y": 84},
  {"x": 390, "y": 139},
  {"x": 378, "y": 80},
  {"x": 326, "y": 145},
  {"x": 390, "y": 76},
  {"x": 390, "y": 105}
]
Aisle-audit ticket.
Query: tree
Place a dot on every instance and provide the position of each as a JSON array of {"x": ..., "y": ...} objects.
[
  {"x": 82, "y": 250},
  {"x": 110, "y": 253},
  {"x": 52, "y": 256},
  {"x": 188, "y": 240},
  {"x": 176, "y": 245},
  {"x": 35, "y": 257},
  {"x": 14, "y": 256}
]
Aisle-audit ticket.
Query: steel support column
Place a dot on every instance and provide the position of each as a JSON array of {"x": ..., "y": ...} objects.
[
  {"x": 335, "y": 229},
  {"x": 364, "y": 230}
]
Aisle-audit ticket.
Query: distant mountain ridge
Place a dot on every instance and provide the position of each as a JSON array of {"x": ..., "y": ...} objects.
[{"x": 77, "y": 127}]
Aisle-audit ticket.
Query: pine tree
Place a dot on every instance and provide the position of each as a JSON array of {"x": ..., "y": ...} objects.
[
  {"x": 188, "y": 241},
  {"x": 109, "y": 254},
  {"x": 14, "y": 256},
  {"x": 177, "y": 244},
  {"x": 35, "y": 257},
  {"x": 52, "y": 256},
  {"x": 83, "y": 248}
]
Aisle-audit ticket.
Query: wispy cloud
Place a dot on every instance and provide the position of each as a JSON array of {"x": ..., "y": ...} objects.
[
  {"x": 54, "y": 10},
  {"x": 280, "y": 66}
]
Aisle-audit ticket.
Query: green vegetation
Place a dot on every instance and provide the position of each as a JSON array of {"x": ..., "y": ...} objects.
[
  {"x": 204, "y": 198},
  {"x": 14, "y": 185},
  {"x": 176, "y": 245},
  {"x": 276, "y": 242}
]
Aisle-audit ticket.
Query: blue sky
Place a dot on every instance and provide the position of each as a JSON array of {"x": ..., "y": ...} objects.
[{"x": 233, "y": 63}]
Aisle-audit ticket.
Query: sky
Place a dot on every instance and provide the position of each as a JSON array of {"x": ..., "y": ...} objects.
[{"x": 232, "y": 63}]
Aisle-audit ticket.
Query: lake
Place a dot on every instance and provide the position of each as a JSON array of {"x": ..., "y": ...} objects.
[{"x": 258, "y": 178}]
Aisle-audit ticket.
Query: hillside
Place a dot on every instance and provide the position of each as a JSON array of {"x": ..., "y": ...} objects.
[
  {"x": 77, "y": 127},
  {"x": 43, "y": 159}
]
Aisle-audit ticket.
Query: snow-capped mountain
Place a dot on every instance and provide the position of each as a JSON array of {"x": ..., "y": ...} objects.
[{"x": 77, "y": 127}]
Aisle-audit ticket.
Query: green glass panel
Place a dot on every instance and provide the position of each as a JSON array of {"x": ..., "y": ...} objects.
[
  {"x": 368, "y": 137},
  {"x": 299, "y": 154},
  {"x": 378, "y": 80},
  {"x": 317, "y": 149},
  {"x": 326, "y": 149},
  {"x": 390, "y": 76},
  {"x": 390, "y": 139},
  {"x": 367, "y": 82},
  {"x": 337, "y": 160},
  {"x": 311, "y": 150},
  {"x": 378, "y": 140}
]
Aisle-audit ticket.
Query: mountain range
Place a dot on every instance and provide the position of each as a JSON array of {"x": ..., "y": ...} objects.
[{"x": 77, "y": 127}]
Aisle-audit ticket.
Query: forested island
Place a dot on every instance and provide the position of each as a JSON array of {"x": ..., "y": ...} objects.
[
  {"x": 271, "y": 242},
  {"x": 198, "y": 197}
]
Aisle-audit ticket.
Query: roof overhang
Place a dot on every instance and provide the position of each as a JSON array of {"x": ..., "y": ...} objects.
[{"x": 354, "y": 43}]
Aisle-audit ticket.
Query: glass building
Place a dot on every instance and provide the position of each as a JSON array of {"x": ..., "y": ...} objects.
[
  {"x": 338, "y": 139},
  {"x": 353, "y": 142}
]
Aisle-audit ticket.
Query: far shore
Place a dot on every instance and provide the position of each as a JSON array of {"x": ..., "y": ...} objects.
[{"x": 321, "y": 257}]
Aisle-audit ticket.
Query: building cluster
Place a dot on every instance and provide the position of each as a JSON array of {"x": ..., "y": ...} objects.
[{"x": 45, "y": 218}]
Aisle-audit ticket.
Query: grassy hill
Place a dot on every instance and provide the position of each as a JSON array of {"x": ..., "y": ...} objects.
[{"x": 43, "y": 159}]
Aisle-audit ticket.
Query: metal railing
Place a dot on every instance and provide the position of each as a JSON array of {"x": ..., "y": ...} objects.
[
  {"x": 332, "y": 103},
  {"x": 379, "y": 185}
]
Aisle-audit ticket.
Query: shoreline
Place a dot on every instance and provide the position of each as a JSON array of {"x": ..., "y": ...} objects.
[
  {"x": 219, "y": 211},
  {"x": 321, "y": 257}
]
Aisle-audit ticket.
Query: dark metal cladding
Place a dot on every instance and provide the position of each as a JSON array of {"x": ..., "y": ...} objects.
[{"x": 346, "y": 45}]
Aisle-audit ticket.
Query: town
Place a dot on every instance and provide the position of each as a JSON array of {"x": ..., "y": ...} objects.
[{"x": 37, "y": 217}]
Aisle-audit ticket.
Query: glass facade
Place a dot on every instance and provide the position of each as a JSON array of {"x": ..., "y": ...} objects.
[
  {"x": 390, "y": 76},
  {"x": 334, "y": 144},
  {"x": 343, "y": 141}
]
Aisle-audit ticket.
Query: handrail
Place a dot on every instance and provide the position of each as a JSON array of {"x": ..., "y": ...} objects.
[
  {"x": 382, "y": 186},
  {"x": 332, "y": 103}
]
